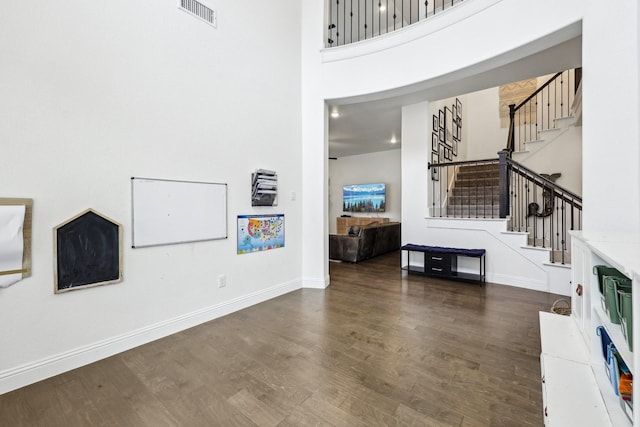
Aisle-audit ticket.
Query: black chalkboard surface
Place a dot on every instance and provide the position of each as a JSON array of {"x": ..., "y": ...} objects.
[{"x": 87, "y": 252}]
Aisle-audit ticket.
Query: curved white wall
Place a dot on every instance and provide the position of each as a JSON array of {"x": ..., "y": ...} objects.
[
  {"x": 470, "y": 38},
  {"x": 473, "y": 39}
]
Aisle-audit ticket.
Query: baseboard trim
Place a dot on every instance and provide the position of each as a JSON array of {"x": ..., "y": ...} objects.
[
  {"x": 315, "y": 283},
  {"x": 30, "y": 373},
  {"x": 519, "y": 282}
]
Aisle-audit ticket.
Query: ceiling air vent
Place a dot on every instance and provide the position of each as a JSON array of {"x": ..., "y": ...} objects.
[{"x": 200, "y": 11}]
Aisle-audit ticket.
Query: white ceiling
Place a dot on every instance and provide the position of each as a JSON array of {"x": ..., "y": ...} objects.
[{"x": 367, "y": 125}]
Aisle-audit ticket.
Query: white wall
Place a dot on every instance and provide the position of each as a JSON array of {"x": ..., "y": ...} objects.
[
  {"x": 481, "y": 122},
  {"x": 416, "y": 149},
  {"x": 383, "y": 166},
  {"x": 611, "y": 154},
  {"x": 95, "y": 93},
  {"x": 563, "y": 155},
  {"x": 315, "y": 150}
]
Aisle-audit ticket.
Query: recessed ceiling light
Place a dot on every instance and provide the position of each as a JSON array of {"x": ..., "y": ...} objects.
[
  {"x": 393, "y": 140},
  {"x": 335, "y": 114},
  {"x": 382, "y": 7}
]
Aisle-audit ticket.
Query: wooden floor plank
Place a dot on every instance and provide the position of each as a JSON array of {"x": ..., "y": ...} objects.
[{"x": 377, "y": 347}]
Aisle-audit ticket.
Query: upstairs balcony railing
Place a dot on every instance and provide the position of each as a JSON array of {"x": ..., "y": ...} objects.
[{"x": 353, "y": 20}]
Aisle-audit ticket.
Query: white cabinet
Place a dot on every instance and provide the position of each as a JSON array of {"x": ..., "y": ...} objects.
[
  {"x": 570, "y": 394},
  {"x": 575, "y": 382}
]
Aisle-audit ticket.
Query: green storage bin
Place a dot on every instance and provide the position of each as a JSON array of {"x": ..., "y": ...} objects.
[
  {"x": 612, "y": 285},
  {"x": 624, "y": 307},
  {"x": 604, "y": 270}
]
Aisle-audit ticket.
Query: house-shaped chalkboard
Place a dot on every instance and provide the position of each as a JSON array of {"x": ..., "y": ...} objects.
[{"x": 88, "y": 252}]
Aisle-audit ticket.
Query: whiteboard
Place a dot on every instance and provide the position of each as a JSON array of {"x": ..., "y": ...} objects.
[{"x": 165, "y": 212}]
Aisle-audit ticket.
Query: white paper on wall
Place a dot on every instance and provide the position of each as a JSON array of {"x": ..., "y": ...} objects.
[{"x": 11, "y": 243}]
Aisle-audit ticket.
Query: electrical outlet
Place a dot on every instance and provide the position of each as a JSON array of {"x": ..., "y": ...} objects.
[{"x": 222, "y": 281}]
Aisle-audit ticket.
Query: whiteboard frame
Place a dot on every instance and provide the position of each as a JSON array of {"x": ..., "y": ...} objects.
[{"x": 143, "y": 244}]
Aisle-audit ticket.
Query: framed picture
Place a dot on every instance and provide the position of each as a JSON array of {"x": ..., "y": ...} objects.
[
  {"x": 435, "y": 158},
  {"x": 447, "y": 153},
  {"x": 441, "y": 135},
  {"x": 448, "y": 127},
  {"x": 458, "y": 109},
  {"x": 434, "y": 142},
  {"x": 455, "y": 148},
  {"x": 441, "y": 149},
  {"x": 441, "y": 119},
  {"x": 455, "y": 132},
  {"x": 435, "y": 125}
]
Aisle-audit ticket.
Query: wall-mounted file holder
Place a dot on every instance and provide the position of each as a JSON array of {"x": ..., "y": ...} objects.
[{"x": 264, "y": 188}]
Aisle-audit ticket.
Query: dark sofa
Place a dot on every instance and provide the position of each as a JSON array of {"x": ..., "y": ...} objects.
[{"x": 365, "y": 243}]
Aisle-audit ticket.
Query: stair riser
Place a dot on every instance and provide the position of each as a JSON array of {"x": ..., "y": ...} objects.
[
  {"x": 480, "y": 201},
  {"x": 472, "y": 191},
  {"x": 477, "y": 183},
  {"x": 469, "y": 174},
  {"x": 479, "y": 212},
  {"x": 489, "y": 167}
]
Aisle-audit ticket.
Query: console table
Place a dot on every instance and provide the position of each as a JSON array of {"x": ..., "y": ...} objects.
[
  {"x": 344, "y": 222},
  {"x": 443, "y": 262}
]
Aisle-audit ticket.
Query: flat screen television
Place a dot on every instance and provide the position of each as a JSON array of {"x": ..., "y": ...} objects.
[{"x": 364, "y": 197}]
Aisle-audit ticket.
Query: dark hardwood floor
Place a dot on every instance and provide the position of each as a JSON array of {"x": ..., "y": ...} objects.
[{"x": 377, "y": 347}]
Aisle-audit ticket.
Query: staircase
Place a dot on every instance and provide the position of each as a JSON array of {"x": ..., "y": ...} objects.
[
  {"x": 475, "y": 192},
  {"x": 527, "y": 227}
]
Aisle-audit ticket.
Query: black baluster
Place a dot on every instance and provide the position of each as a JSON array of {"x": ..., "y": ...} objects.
[
  {"x": 365, "y": 20},
  {"x": 447, "y": 189},
  {"x": 358, "y": 20},
  {"x": 530, "y": 120},
  {"x": 536, "y": 112},
  {"x": 548, "y": 107},
  {"x": 526, "y": 205},
  {"x": 379, "y": 26},
  {"x": 331, "y": 25},
  {"x": 561, "y": 94},
  {"x": 555, "y": 98},
  {"x": 564, "y": 229},
  {"x": 338, "y": 22},
  {"x": 351, "y": 22}
]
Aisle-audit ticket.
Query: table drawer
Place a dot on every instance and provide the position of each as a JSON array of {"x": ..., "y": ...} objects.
[{"x": 440, "y": 264}]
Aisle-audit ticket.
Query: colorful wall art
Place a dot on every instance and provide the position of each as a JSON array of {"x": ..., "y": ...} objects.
[{"x": 260, "y": 232}]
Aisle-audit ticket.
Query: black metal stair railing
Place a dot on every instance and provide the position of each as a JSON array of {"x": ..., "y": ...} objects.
[
  {"x": 503, "y": 188},
  {"x": 541, "y": 208},
  {"x": 540, "y": 110},
  {"x": 354, "y": 20}
]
